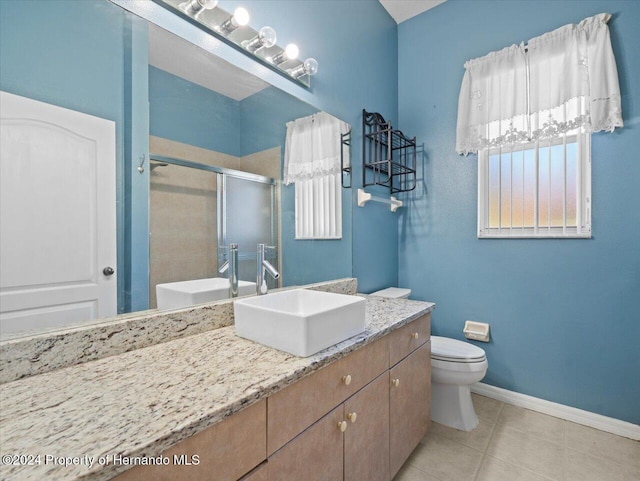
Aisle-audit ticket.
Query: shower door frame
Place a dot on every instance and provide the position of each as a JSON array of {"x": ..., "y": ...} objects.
[{"x": 222, "y": 174}]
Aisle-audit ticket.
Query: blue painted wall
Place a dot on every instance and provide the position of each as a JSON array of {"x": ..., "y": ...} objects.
[
  {"x": 186, "y": 112},
  {"x": 356, "y": 45},
  {"x": 564, "y": 313}
]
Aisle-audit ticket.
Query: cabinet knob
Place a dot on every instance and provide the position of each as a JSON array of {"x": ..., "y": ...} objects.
[
  {"x": 352, "y": 417},
  {"x": 415, "y": 335},
  {"x": 395, "y": 382},
  {"x": 346, "y": 379},
  {"x": 342, "y": 425}
]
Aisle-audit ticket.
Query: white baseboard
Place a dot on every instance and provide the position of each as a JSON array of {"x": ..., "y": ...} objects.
[{"x": 568, "y": 413}]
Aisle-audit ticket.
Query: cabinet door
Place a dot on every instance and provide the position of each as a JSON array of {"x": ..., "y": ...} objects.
[
  {"x": 409, "y": 405},
  {"x": 366, "y": 440},
  {"x": 314, "y": 455}
]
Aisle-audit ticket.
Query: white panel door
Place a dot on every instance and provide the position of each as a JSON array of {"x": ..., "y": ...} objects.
[{"x": 57, "y": 216}]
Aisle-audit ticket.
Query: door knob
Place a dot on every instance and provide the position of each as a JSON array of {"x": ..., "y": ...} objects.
[{"x": 108, "y": 271}]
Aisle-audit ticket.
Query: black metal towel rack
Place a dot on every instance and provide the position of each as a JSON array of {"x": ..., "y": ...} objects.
[{"x": 388, "y": 156}]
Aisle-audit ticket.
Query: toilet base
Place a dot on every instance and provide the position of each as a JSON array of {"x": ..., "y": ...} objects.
[{"x": 452, "y": 406}]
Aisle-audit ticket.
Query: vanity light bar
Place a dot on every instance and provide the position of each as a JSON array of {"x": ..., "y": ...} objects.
[{"x": 261, "y": 44}]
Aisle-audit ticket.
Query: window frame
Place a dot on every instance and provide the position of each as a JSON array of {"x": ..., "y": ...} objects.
[{"x": 582, "y": 230}]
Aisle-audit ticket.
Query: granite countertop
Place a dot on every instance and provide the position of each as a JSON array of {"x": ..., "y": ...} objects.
[{"x": 141, "y": 402}]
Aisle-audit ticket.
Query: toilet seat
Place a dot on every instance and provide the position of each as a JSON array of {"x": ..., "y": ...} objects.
[{"x": 452, "y": 350}]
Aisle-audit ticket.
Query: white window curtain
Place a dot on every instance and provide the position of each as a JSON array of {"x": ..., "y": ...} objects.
[
  {"x": 560, "y": 82},
  {"x": 312, "y": 162}
]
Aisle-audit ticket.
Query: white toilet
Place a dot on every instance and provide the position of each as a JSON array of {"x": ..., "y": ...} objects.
[{"x": 455, "y": 366}]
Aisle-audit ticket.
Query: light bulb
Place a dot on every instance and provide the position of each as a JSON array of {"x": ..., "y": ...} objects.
[
  {"x": 311, "y": 66},
  {"x": 240, "y": 17},
  {"x": 267, "y": 37},
  {"x": 291, "y": 51},
  {"x": 194, "y": 7}
]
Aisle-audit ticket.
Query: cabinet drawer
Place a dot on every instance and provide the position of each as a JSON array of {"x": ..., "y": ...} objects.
[
  {"x": 295, "y": 408},
  {"x": 408, "y": 338},
  {"x": 226, "y": 451}
]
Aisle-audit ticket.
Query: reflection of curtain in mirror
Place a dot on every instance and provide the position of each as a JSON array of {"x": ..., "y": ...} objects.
[{"x": 312, "y": 163}]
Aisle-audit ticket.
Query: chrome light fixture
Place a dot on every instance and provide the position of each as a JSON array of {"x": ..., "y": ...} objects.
[
  {"x": 259, "y": 45},
  {"x": 266, "y": 38},
  {"x": 240, "y": 18},
  {"x": 290, "y": 52},
  {"x": 309, "y": 67},
  {"x": 195, "y": 7}
]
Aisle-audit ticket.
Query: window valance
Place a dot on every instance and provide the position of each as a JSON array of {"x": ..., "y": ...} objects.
[
  {"x": 557, "y": 83},
  {"x": 312, "y": 148}
]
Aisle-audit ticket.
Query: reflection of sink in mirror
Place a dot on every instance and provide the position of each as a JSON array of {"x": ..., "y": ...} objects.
[
  {"x": 299, "y": 321},
  {"x": 175, "y": 295}
]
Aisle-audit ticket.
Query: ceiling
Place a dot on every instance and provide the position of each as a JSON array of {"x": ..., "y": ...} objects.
[{"x": 402, "y": 10}]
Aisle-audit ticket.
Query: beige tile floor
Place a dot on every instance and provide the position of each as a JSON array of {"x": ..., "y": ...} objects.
[{"x": 515, "y": 444}]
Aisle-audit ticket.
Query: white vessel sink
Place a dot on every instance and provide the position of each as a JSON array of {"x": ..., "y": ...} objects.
[
  {"x": 299, "y": 321},
  {"x": 175, "y": 295}
]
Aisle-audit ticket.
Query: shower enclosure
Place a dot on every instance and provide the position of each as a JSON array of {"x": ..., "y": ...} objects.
[{"x": 196, "y": 210}]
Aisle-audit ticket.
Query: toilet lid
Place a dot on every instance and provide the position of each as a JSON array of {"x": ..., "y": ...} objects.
[
  {"x": 393, "y": 293},
  {"x": 446, "y": 349}
]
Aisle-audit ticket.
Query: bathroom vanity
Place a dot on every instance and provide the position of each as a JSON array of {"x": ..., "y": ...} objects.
[{"x": 219, "y": 407}]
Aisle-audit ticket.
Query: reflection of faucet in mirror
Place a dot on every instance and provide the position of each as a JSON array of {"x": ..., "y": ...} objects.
[
  {"x": 231, "y": 265},
  {"x": 264, "y": 265}
]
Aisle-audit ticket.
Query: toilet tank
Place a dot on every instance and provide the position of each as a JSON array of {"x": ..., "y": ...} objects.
[{"x": 393, "y": 293}]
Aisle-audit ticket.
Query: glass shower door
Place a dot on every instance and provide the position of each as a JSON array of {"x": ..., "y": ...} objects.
[{"x": 247, "y": 216}]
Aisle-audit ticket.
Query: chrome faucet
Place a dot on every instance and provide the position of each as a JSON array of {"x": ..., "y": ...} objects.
[
  {"x": 264, "y": 265},
  {"x": 231, "y": 265}
]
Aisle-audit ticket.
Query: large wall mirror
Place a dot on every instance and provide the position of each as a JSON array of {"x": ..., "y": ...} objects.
[{"x": 197, "y": 147}]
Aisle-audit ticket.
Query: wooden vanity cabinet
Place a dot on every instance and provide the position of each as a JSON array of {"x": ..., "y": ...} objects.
[
  {"x": 351, "y": 443},
  {"x": 392, "y": 413},
  {"x": 357, "y": 419},
  {"x": 226, "y": 451}
]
